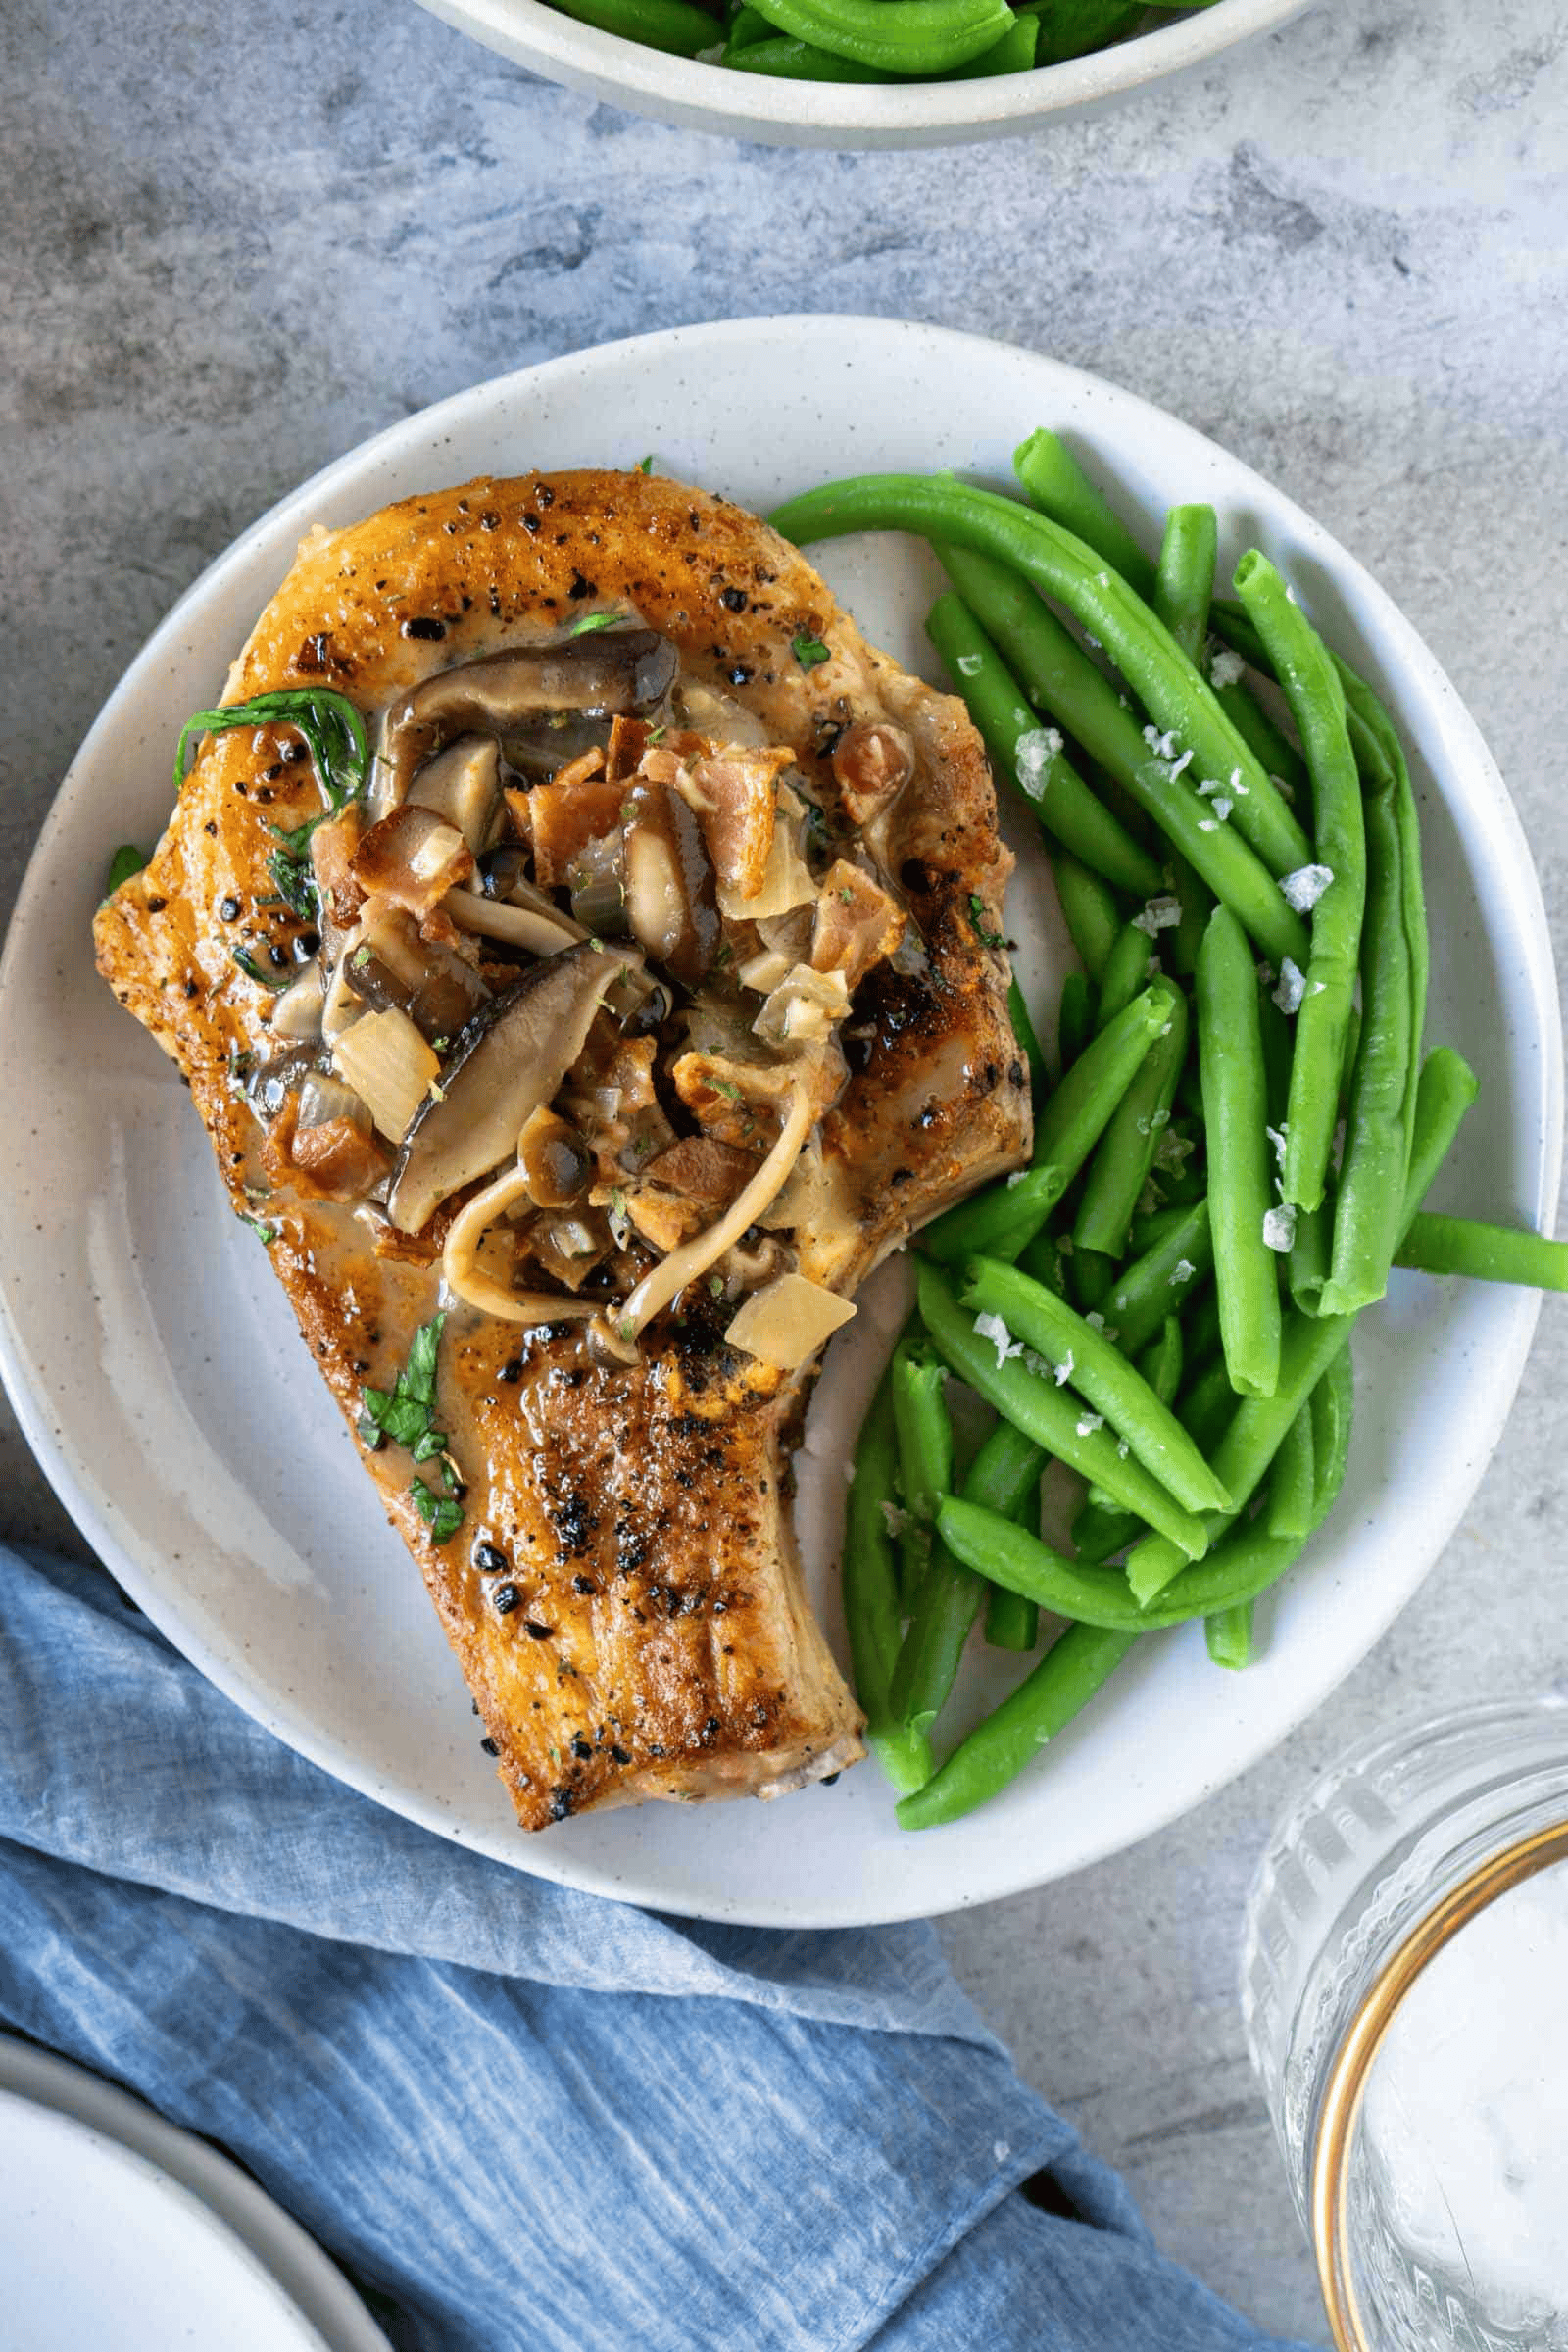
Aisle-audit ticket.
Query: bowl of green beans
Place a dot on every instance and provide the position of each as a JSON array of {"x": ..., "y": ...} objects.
[{"x": 861, "y": 72}]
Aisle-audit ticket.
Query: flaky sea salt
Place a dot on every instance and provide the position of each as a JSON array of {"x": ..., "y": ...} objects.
[
  {"x": 1182, "y": 1271},
  {"x": 1088, "y": 1423},
  {"x": 1305, "y": 886},
  {"x": 1062, "y": 1372},
  {"x": 1292, "y": 987},
  {"x": 992, "y": 1328},
  {"x": 1161, "y": 915},
  {"x": 1033, "y": 754},
  {"x": 1226, "y": 668},
  {"x": 1279, "y": 1228}
]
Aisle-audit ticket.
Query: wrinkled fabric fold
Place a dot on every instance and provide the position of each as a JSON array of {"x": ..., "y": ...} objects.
[{"x": 523, "y": 2116}]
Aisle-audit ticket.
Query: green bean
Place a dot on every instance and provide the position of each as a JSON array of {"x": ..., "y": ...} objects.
[
  {"x": 999, "y": 1220},
  {"x": 1484, "y": 1252},
  {"x": 1200, "y": 1336},
  {"x": 997, "y": 1750},
  {"x": 1311, "y": 1346},
  {"x": 798, "y": 61},
  {"x": 1015, "y": 53},
  {"x": 1030, "y": 754},
  {"x": 1044, "y": 1263},
  {"x": 1090, "y": 1276},
  {"x": 1152, "y": 1225},
  {"x": 1060, "y": 677},
  {"x": 1292, "y": 1480},
  {"x": 674, "y": 25},
  {"x": 1155, "y": 1284},
  {"x": 1121, "y": 1166},
  {"x": 1011, "y": 1622},
  {"x": 1126, "y": 972},
  {"x": 1274, "y": 754},
  {"x": 1088, "y": 910},
  {"x": 1228, "y": 1636},
  {"x": 1234, "y": 1572},
  {"x": 1162, "y": 1361},
  {"x": 1447, "y": 1090},
  {"x": 1366, "y": 1208},
  {"x": 1208, "y": 1406},
  {"x": 1074, "y": 1019},
  {"x": 925, "y": 1453},
  {"x": 1023, "y": 1029},
  {"x": 1369, "y": 719},
  {"x": 899, "y": 37},
  {"x": 745, "y": 25},
  {"x": 1003, "y": 1476},
  {"x": 1230, "y": 1058},
  {"x": 1054, "y": 481},
  {"x": 1310, "y": 1244},
  {"x": 1101, "y": 1375},
  {"x": 1316, "y": 698},
  {"x": 1070, "y": 27},
  {"x": 870, "y": 1598},
  {"x": 1184, "y": 580},
  {"x": 1044, "y": 1413},
  {"x": 1332, "y": 1404}
]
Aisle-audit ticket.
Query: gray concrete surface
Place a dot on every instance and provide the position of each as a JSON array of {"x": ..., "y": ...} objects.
[{"x": 236, "y": 238}]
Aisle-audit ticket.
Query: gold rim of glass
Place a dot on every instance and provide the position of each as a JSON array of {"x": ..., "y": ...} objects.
[{"x": 1347, "y": 2077}]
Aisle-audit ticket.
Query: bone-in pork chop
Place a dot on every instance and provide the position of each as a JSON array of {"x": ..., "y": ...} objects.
[{"x": 583, "y": 949}]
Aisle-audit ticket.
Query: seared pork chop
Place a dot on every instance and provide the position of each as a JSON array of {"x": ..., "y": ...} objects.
[{"x": 576, "y": 1054}]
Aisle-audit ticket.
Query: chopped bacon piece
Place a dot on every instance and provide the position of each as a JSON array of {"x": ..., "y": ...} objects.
[{"x": 857, "y": 923}]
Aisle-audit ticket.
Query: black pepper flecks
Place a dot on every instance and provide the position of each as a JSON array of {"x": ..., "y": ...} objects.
[
  {"x": 490, "y": 1559},
  {"x": 424, "y": 625},
  {"x": 507, "y": 1598}
]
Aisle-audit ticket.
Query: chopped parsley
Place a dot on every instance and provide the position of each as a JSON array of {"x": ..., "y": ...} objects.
[
  {"x": 727, "y": 1088},
  {"x": 276, "y": 981},
  {"x": 594, "y": 620},
  {"x": 124, "y": 863},
  {"x": 645, "y": 464},
  {"x": 265, "y": 1233},
  {"x": 977, "y": 922},
  {"x": 441, "y": 1515},
  {"x": 810, "y": 651},
  {"x": 404, "y": 1414}
]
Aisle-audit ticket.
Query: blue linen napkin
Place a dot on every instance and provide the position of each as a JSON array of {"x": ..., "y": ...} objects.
[{"x": 525, "y": 2119}]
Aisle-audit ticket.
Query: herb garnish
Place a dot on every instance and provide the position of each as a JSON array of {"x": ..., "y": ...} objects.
[
  {"x": 810, "y": 651},
  {"x": 977, "y": 919},
  {"x": 124, "y": 863},
  {"x": 332, "y": 730},
  {"x": 441, "y": 1515},
  {"x": 290, "y": 869},
  {"x": 404, "y": 1414},
  {"x": 265, "y": 1233},
  {"x": 645, "y": 464},
  {"x": 276, "y": 981},
  {"x": 594, "y": 620}
]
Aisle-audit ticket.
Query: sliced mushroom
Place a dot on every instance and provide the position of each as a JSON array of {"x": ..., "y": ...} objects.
[
  {"x": 554, "y": 1161},
  {"x": 297, "y": 1012},
  {"x": 332, "y": 1142},
  {"x": 540, "y": 931},
  {"x": 412, "y": 858},
  {"x": 463, "y": 786},
  {"x": 671, "y": 904},
  {"x": 388, "y": 965},
  {"x": 510, "y": 1059},
  {"x": 505, "y": 695}
]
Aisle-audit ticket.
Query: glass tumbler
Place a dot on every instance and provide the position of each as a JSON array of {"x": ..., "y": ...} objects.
[{"x": 1404, "y": 1988}]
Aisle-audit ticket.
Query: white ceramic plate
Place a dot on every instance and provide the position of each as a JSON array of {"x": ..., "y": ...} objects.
[
  {"x": 156, "y": 1366},
  {"x": 810, "y": 114},
  {"x": 184, "y": 2248}
]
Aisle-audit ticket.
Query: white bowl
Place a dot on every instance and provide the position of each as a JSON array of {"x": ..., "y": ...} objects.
[
  {"x": 810, "y": 113},
  {"x": 156, "y": 1368}
]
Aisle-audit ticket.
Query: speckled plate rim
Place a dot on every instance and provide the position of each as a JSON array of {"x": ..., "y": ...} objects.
[
  {"x": 1468, "y": 782},
  {"x": 705, "y": 97}
]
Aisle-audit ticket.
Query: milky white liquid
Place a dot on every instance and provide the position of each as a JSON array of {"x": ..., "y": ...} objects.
[{"x": 1459, "y": 2198}]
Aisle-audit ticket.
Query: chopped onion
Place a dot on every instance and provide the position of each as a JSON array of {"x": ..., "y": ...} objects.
[
  {"x": 389, "y": 1066},
  {"x": 785, "y": 1323},
  {"x": 297, "y": 1012}
]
